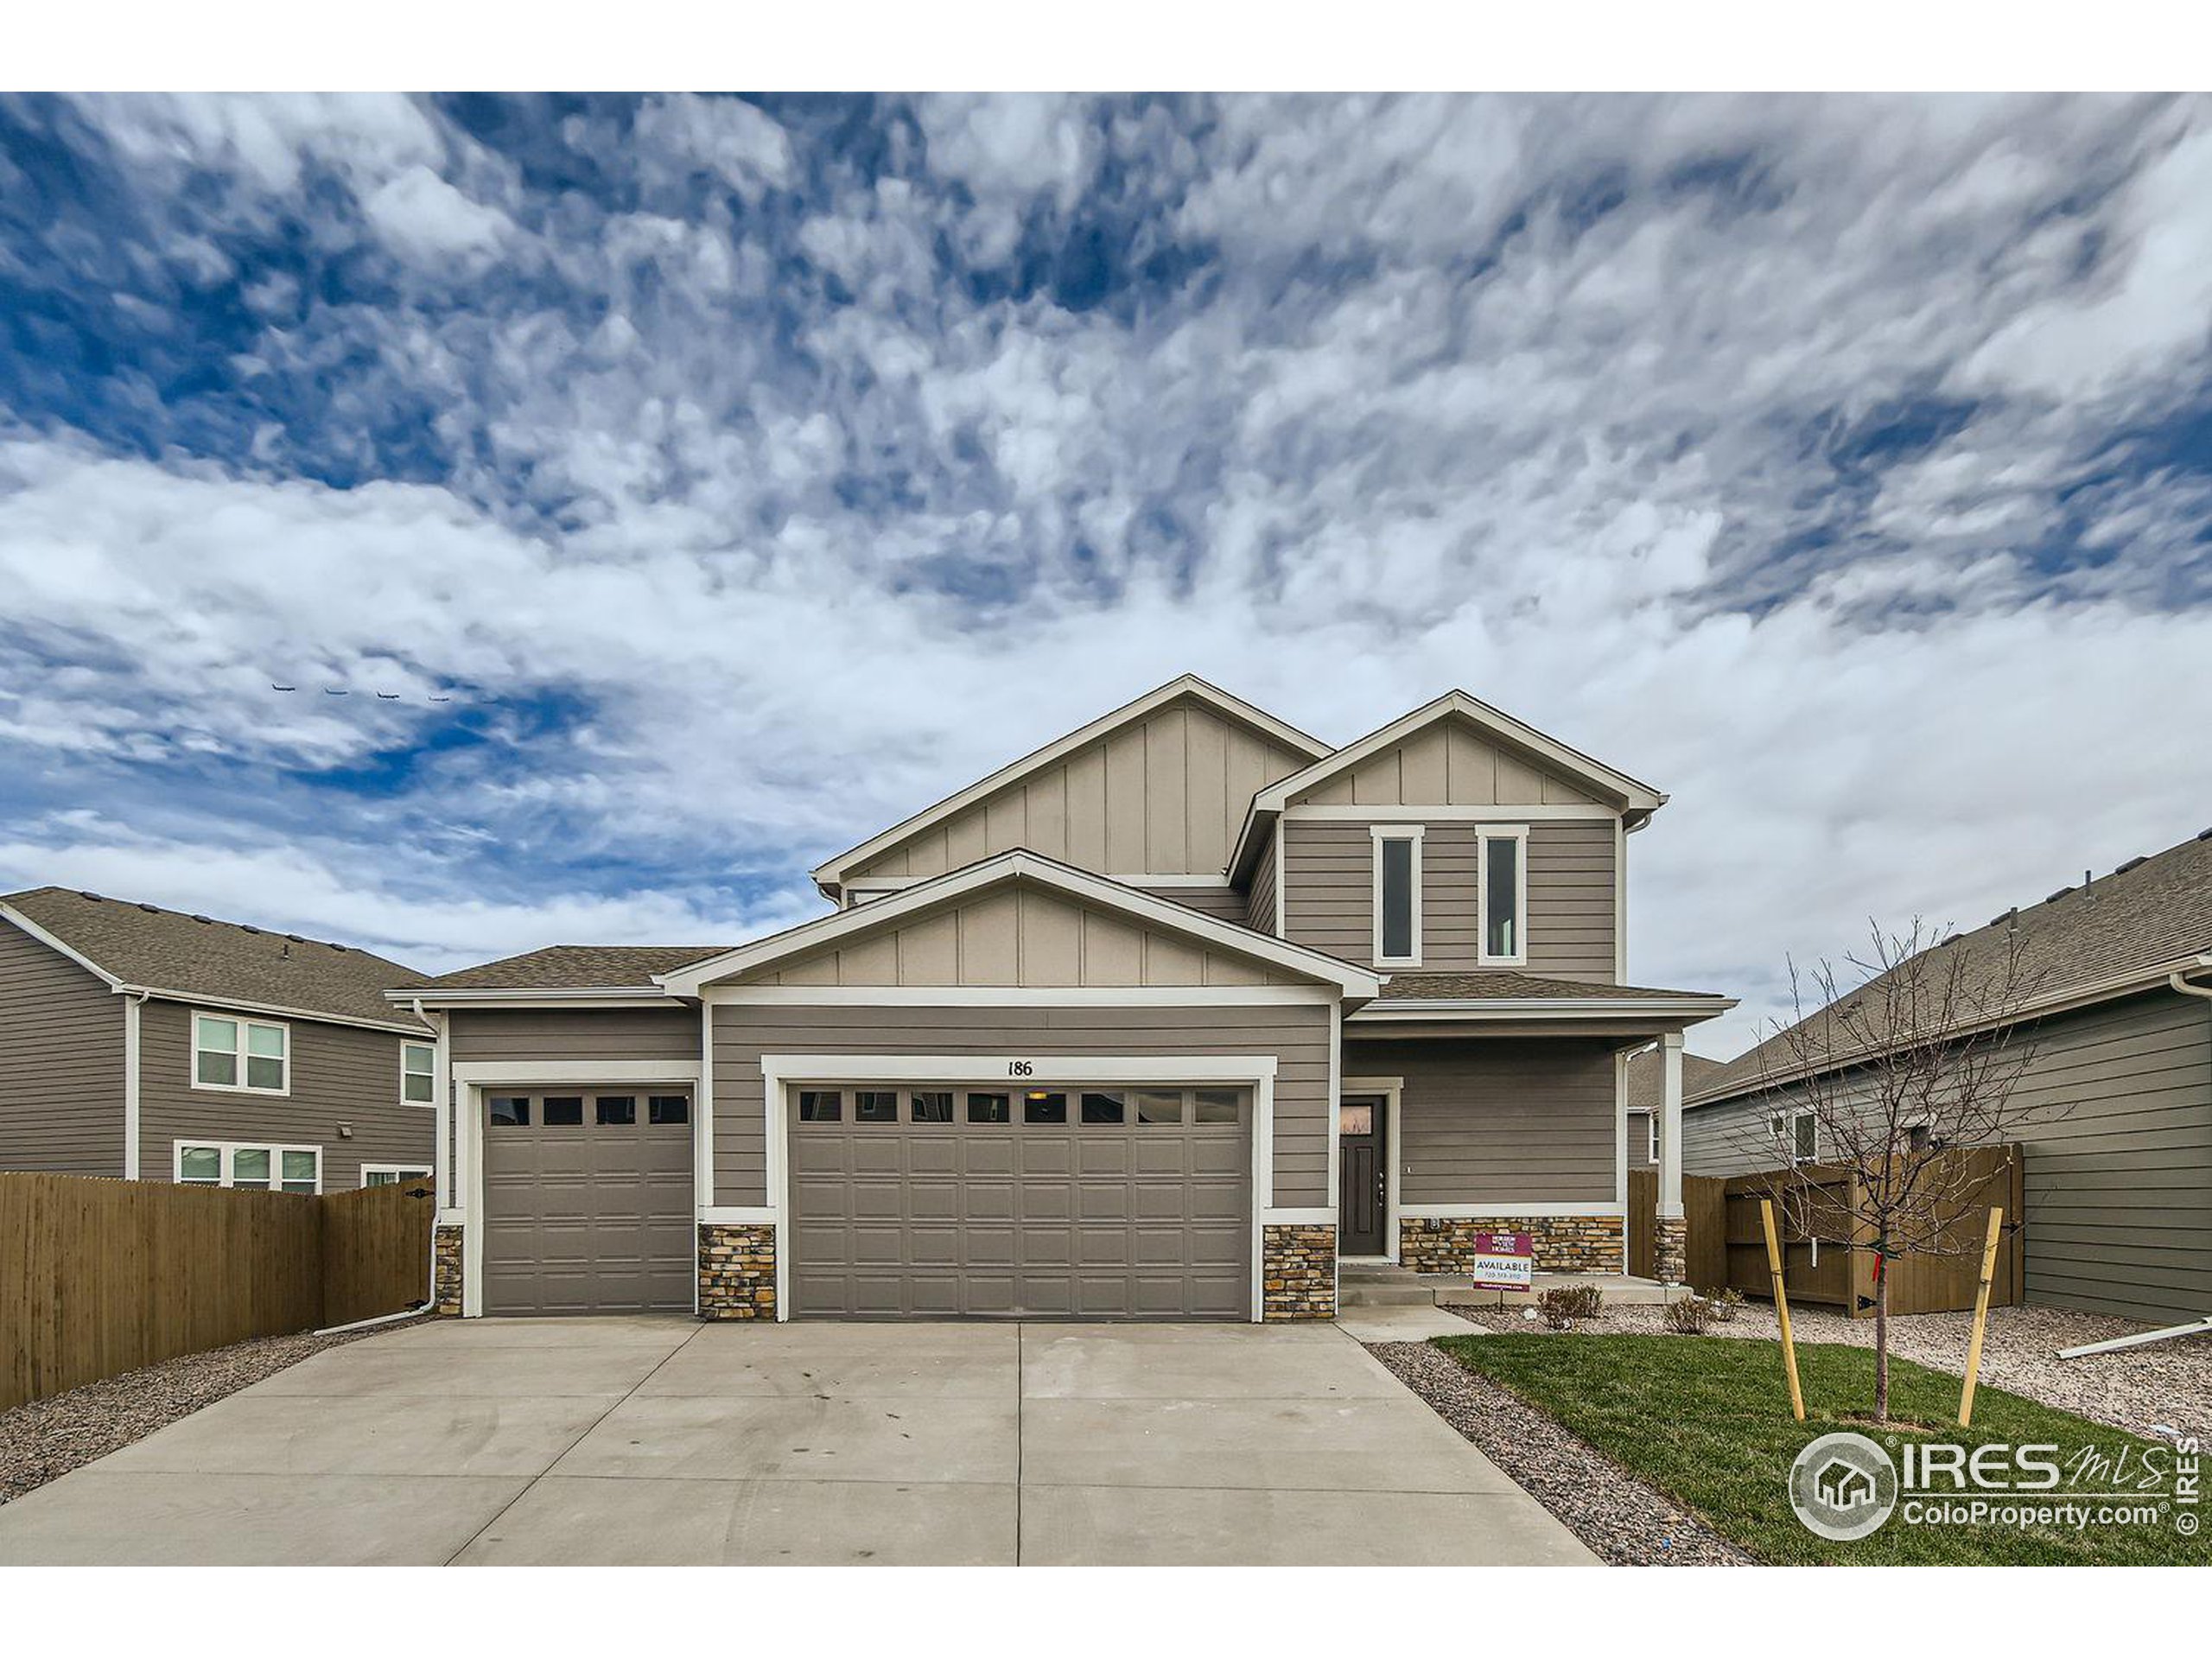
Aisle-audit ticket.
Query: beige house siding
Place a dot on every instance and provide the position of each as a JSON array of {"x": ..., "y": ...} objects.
[
  {"x": 1329, "y": 904},
  {"x": 1501, "y": 1122},
  {"x": 60, "y": 1062},
  {"x": 1020, "y": 935},
  {"x": 1162, "y": 796},
  {"x": 549, "y": 1036},
  {"x": 1224, "y": 903},
  {"x": 339, "y": 1075},
  {"x": 1297, "y": 1035},
  {"x": 1639, "y": 1141},
  {"x": 1260, "y": 909},
  {"x": 1448, "y": 763},
  {"x": 2118, "y": 1190}
]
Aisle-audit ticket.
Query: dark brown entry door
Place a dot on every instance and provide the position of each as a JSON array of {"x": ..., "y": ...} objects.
[{"x": 1360, "y": 1177}]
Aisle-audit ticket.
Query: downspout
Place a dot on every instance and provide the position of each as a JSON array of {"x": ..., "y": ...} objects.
[
  {"x": 2182, "y": 985},
  {"x": 132, "y": 1003},
  {"x": 441, "y": 1112}
]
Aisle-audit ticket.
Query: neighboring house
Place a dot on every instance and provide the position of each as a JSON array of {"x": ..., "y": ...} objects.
[
  {"x": 153, "y": 1046},
  {"x": 2120, "y": 1033},
  {"x": 1646, "y": 1102},
  {"x": 1163, "y": 1020}
]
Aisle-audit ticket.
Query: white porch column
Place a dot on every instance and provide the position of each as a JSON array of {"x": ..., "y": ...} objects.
[{"x": 1670, "y": 1124}]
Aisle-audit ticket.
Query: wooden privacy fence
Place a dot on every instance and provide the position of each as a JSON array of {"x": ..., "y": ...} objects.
[
  {"x": 98, "y": 1277},
  {"x": 1707, "y": 1264},
  {"x": 1825, "y": 1265}
]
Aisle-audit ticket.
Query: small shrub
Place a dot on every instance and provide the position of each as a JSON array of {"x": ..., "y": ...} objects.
[
  {"x": 1562, "y": 1305},
  {"x": 1725, "y": 1301},
  {"x": 1689, "y": 1316}
]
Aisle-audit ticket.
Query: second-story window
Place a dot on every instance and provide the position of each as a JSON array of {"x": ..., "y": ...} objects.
[
  {"x": 1505, "y": 896},
  {"x": 1397, "y": 897}
]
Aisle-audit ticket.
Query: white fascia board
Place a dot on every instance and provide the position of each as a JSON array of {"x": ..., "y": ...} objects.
[
  {"x": 1560, "y": 1009},
  {"x": 1164, "y": 1070},
  {"x": 1096, "y": 890},
  {"x": 595, "y": 996},
  {"x": 1012, "y": 996},
  {"x": 830, "y": 875},
  {"x": 53, "y": 944},
  {"x": 277, "y": 1010},
  {"x": 1634, "y": 795}
]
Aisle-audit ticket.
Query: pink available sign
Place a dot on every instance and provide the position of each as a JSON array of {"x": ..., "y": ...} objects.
[{"x": 1503, "y": 1261}]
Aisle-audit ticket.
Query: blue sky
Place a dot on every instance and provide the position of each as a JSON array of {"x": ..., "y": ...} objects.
[{"x": 711, "y": 482}]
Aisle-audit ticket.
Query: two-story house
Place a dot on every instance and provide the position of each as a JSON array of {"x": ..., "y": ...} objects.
[
  {"x": 1162, "y": 1020},
  {"x": 153, "y": 1045}
]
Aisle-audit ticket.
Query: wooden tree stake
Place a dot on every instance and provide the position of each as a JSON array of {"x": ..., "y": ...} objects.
[
  {"x": 1782, "y": 1309},
  {"x": 1981, "y": 1316}
]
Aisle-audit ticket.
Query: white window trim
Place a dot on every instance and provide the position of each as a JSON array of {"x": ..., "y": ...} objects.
[
  {"x": 228, "y": 1148},
  {"x": 1377, "y": 833},
  {"x": 399, "y": 1173},
  {"x": 244, "y": 1023},
  {"x": 429, "y": 1047},
  {"x": 1486, "y": 834},
  {"x": 1783, "y": 1126},
  {"x": 1651, "y": 1126}
]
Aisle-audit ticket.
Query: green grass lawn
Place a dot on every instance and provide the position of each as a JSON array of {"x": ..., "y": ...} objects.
[{"x": 1706, "y": 1420}]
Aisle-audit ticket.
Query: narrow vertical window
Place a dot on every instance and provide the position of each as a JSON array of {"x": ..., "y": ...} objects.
[
  {"x": 1505, "y": 898},
  {"x": 1397, "y": 898}
]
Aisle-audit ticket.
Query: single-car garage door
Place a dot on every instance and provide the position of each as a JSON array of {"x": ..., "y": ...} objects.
[
  {"x": 588, "y": 1203},
  {"x": 1068, "y": 1203}
]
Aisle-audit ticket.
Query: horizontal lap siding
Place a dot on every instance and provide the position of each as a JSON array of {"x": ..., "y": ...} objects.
[
  {"x": 1259, "y": 911},
  {"x": 551, "y": 1035},
  {"x": 1329, "y": 876},
  {"x": 60, "y": 1062},
  {"x": 1224, "y": 903},
  {"x": 1298, "y": 1036},
  {"x": 2118, "y": 1188},
  {"x": 1499, "y": 1121},
  {"x": 339, "y": 1075}
]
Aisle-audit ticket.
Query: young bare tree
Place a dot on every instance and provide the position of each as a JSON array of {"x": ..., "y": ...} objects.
[{"x": 1914, "y": 1048}]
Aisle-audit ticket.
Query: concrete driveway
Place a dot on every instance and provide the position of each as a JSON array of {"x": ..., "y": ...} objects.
[{"x": 663, "y": 1441}]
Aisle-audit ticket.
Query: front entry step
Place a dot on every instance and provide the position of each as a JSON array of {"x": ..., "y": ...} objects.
[{"x": 1363, "y": 1284}]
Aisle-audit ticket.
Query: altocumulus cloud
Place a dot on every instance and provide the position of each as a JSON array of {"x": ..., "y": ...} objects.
[{"x": 749, "y": 474}]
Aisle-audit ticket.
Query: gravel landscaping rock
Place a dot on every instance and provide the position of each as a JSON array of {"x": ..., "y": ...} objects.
[
  {"x": 2158, "y": 1391},
  {"x": 1627, "y": 1522},
  {"x": 46, "y": 1439}
]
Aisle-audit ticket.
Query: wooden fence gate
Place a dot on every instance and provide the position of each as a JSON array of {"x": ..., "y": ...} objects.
[
  {"x": 98, "y": 1276},
  {"x": 1707, "y": 1263}
]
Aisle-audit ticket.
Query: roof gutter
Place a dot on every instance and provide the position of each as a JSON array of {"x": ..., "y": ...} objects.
[{"x": 2182, "y": 985}]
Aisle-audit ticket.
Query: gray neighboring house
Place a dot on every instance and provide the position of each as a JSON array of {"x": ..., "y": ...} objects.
[
  {"x": 1164, "y": 1019},
  {"x": 2119, "y": 1189},
  {"x": 155, "y": 1045},
  {"x": 1646, "y": 1092}
]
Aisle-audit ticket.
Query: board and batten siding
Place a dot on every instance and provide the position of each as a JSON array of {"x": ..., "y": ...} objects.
[
  {"x": 1449, "y": 762},
  {"x": 1297, "y": 1035},
  {"x": 339, "y": 1075},
  {"x": 60, "y": 1062},
  {"x": 1021, "y": 935},
  {"x": 2118, "y": 1188},
  {"x": 1163, "y": 796},
  {"x": 1499, "y": 1121},
  {"x": 1329, "y": 894}
]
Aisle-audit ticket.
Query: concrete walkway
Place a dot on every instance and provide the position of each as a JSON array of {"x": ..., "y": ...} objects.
[{"x": 665, "y": 1441}]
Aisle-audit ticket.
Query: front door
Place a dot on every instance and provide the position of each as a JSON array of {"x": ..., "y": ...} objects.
[{"x": 1360, "y": 1196}]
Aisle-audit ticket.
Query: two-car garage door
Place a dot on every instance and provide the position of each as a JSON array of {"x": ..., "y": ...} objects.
[{"x": 945, "y": 1200}]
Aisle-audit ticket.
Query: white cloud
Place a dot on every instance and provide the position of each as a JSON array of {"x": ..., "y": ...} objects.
[{"x": 421, "y": 216}]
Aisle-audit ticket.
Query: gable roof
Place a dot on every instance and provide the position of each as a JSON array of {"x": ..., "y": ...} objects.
[
  {"x": 829, "y": 876},
  {"x": 1636, "y": 798},
  {"x": 605, "y": 968},
  {"x": 2120, "y": 934},
  {"x": 1644, "y": 1079},
  {"x": 196, "y": 958},
  {"x": 999, "y": 870}
]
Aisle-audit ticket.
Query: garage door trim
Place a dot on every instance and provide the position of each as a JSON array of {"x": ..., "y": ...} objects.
[
  {"x": 782, "y": 1072},
  {"x": 473, "y": 1081}
]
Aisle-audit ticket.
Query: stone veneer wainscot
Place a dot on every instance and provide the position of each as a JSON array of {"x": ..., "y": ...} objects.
[
  {"x": 1297, "y": 1271},
  {"x": 737, "y": 1271},
  {"x": 1563, "y": 1243},
  {"x": 445, "y": 1271}
]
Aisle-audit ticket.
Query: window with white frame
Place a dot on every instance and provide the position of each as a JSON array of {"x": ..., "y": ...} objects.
[
  {"x": 392, "y": 1174},
  {"x": 1504, "y": 895},
  {"x": 1651, "y": 1126},
  {"x": 418, "y": 1074},
  {"x": 1397, "y": 897},
  {"x": 261, "y": 1168},
  {"x": 1796, "y": 1136},
  {"x": 230, "y": 1052}
]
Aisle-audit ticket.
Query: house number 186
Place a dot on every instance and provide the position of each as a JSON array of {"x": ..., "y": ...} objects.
[{"x": 1019, "y": 1068}]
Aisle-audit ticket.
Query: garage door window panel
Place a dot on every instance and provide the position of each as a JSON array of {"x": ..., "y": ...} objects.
[
  {"x": 1100, "y": 1107},
  {"x": 929, "y": 1105},
  {"x": 1043, "y": 1106},
  {"x": 1159, "y": 1106},
  {"x": 821, "y": 1105},
  {"x": 990, "y": 1109},
  {"x": 616, "y": 1111},
  {"x": 875, "y": 1105},
  {"x": 563, "y": 1111},
  {"x": 509, "y": 1111},
  {"x": 665, "y": 1110}
]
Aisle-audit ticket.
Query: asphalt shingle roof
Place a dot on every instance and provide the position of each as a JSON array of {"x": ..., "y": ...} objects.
[
  {"x": 1456, "y": 988},
  {"x": 2150, "y": 914},
  {"x": 198, "y": 957},
  {"x": 576, "y": 968},
  {"x": 1643, "y": 1077}
]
